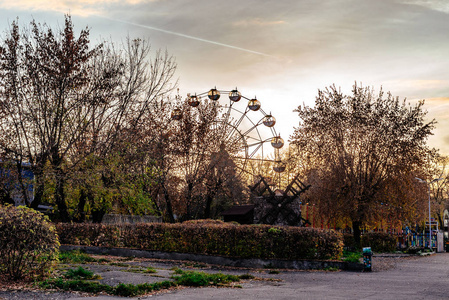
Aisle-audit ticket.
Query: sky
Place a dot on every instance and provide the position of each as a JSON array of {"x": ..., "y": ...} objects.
[{"x": 280, "y": 51}]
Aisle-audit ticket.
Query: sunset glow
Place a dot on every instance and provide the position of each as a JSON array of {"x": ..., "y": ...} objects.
[{"x": 282, "y": 51}]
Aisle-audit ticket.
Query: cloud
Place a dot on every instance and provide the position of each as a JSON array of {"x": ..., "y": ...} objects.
[
  {"x": 421, "y": 84},
  {"x": 257, "y": 22},
  {"x": 78, "y": 7},
  {"x": 193, "y": 38},
  {"x": 438, "y": 5}
]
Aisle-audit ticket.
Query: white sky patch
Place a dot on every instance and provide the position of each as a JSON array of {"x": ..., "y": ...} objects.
[
  {"x": 79, "y": 7},
  {"x": 438, "y": 5},
  {"x": 257, "y": 22},
  {"x": 190, "y": 37},
  {"x": 422, "y": 84}
]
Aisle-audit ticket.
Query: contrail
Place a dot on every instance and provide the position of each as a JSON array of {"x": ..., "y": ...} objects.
[{"x": 189, "y": 37}]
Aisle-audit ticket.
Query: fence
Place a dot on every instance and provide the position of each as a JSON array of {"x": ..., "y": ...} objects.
[{"x": 418, "y": 240}]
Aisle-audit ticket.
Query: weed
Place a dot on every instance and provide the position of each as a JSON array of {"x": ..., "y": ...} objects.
[
  {"x": 193, "y": 278},
  {"x": 331, "y": 269},
  {"x": 177, "y": 270},
  {"x": 150, "y": 270},
  {"x": 80, "y": 273},
  {"x": 77, "y": 285},
  {"x": 273, "y": 272},
  {"x": 75, "y": 257},
  {"x": 94, "y": 287},
  {"x": 127, "y": 290}
]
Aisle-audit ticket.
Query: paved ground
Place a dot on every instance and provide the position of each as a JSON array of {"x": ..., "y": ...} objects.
[{"x": 392, "y": 278}]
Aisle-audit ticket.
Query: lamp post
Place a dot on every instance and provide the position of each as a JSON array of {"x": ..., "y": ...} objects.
[{"x": 430, "y": 223}]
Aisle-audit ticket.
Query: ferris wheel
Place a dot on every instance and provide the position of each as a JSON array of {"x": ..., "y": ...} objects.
[{"x": 241, "y": 127}]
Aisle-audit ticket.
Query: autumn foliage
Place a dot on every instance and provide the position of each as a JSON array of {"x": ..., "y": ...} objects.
[{"x": 364, "y": 150}]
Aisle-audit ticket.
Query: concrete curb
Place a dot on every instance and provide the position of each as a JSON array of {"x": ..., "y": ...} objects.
[{"x": 220, "y": 260}]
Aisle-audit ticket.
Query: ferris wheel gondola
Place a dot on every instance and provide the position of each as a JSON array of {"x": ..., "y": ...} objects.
[{"x": 250, "y": 128}]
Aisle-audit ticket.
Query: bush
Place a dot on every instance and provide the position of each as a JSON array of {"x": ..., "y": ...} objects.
[
  {"x": 28, "y": 243},
  {"x": 379, "y": 242},
  {"x": 210, "y": 238}
]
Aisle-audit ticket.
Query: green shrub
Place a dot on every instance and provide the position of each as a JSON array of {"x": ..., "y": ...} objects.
[
  {"x": 28, "y": 243},
  {"x": 380, "y": 242},
  {"x": 194, "y": 278},
  {"x": 80, "y": 273},
  {"x": 75, "y": 257},
  {"x": 211, "y": 238},
  {"x": 353, "y": 257}
]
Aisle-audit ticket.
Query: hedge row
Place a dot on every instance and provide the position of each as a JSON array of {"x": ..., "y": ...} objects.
[
  {"x": 379, "y": 242},
  {"x": 210, "y": 238}
]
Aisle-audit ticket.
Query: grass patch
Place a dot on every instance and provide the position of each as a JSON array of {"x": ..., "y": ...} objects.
[
  {"x": 124, "y": 290},
  {"x": 75, "y": 257},
  {"x": 77, "y": 285},
  {"x": 331, "y": 269},
  {"x": 129, "y": 290},
  {"x": 273, "y": 272},
  {"x": 246, "y": 276},
  {"x": 82, "y": 280},
  {"x": 81, "y": 273},
  {"x": 352, "y": 257},
  {"x": 193, "y": 278}
]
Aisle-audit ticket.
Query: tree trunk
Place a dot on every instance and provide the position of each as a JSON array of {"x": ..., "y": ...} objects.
[
  {"x": 23, "y": 186},
  {"x": 189, "y": 214},
  {"x": 209, "y": 199},
  {"x": 357, "y": 233},
  {"x": 38, "y": 187},
  {"x": 80, "y": 215},
  {"x": 169, "y": 207},
  {"x": 59, "y": 195}
]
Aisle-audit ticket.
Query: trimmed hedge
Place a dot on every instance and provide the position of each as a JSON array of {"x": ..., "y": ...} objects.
[
  {"x": 210, "y": 238},
  {"x": 379, "y": 242}
]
